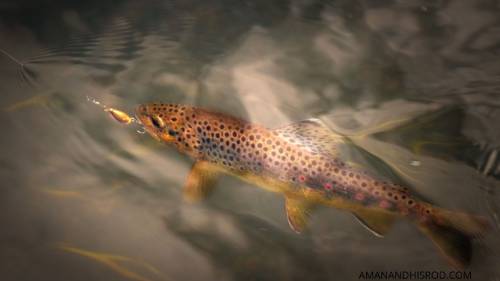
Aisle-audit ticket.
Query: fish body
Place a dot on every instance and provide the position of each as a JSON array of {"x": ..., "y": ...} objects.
[{"x": 301, "y": 162}]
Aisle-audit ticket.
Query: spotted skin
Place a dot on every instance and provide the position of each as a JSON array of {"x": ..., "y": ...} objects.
[
  {"x": 294, "y": 162},
  {"x": 301, "y": 161}
]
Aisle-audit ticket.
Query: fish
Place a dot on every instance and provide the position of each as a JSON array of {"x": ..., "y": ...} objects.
[{"x": 303, "y": 162}]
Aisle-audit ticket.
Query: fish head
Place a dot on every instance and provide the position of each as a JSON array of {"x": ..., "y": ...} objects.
[{"x": 162, "y": 121}]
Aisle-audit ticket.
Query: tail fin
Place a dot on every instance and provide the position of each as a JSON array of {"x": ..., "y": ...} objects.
[
  {"x": 471, "y": 225},
  {"x": 452, "y": 233}
]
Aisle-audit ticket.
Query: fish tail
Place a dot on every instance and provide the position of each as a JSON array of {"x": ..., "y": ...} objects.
[
  {"x": 472, "y": 225},
  {"x": 452, "y": 233}
]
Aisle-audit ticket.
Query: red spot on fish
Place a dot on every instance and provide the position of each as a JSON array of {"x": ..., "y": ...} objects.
[
  {"x": 424, "y": 219},
  {"x": 384, "y": 204},
  {"x": 359, "y": 196},
  {"x": 328, "y": 186},
  {"x": 302, "y": 178},
  {"x": 439, "y": 220}
]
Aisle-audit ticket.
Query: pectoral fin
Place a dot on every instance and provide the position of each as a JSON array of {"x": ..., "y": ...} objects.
[
  {"x": 298, "y": 212},
  {"x": 200, "y": 181},
  {"x": 378, "y": 223}
]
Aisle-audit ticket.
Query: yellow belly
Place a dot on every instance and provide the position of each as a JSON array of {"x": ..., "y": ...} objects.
[{"x": 301, "y": 192}]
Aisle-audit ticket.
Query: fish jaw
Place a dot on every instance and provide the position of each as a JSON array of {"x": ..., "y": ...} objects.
[{"x": 144, "y": 116}]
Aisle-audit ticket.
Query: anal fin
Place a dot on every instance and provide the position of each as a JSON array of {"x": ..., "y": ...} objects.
[
  {"x": 378, "y": 223},
  {"x": 298, "y": 212},
  {"x": 200, "y": 181}
]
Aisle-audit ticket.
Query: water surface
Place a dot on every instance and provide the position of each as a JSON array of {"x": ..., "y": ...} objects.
[{"x": 414, "y": 83}]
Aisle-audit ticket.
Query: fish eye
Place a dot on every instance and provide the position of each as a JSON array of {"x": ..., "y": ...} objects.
[{"x": 157, "y": 122}]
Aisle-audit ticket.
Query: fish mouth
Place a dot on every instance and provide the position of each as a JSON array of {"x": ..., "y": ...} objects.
[
  {"x": 144, "y": 118},
  {"x": 141, "y": 114}
]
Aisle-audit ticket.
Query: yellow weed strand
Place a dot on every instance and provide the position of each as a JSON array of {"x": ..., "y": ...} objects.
[{"x": 119, "y": 116}]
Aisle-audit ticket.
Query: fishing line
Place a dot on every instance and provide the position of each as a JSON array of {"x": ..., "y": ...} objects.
[
  {"x": 26, "y": 75},
  {"x": 119, "y": 115},
  {"x": 12, "y": 58}
]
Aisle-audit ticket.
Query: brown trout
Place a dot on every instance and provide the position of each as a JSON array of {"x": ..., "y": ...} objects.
[{"x": 301, "y": 161}]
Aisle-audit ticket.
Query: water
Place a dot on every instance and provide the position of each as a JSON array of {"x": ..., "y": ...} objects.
[{"x": 415, "y": 83}]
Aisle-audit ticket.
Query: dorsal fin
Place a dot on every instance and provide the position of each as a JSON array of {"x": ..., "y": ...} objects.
[{"x": 313, "y": 135}]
